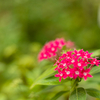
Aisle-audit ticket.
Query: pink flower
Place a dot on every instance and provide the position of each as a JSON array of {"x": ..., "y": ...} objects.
[
  {"x": 77, "y": 73},
  {"x": 78, "y": 53},
  {"x": 80, "y": 64},
  {"x": 70, "y": 44},
  {"x": 77, "y": 63},
  {"x": 86, "y": 73},
  {"x": 87, "y": 55},
  {"x": 94, "y": 61},
  {"x": 52, "y": 49},
  {"x": 68, "y": 73},
  {"x": 60, "y": 74}
]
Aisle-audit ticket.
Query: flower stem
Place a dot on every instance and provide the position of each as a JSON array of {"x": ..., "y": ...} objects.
[{"x": 74, "y": 84}]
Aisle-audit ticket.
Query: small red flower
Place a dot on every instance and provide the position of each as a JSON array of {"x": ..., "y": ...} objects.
[
  {"x": 94, "y": 61},
  {"x": 70, "y": 44},
  {"x": 76, "y": 73},
  {"x": 77, "y": 63},
  {"x": 86, "y": 73},
  {"x": 53, "y": 49},
  {"x": 60, "y": 74},
  {"x": 68, "y": 73}
]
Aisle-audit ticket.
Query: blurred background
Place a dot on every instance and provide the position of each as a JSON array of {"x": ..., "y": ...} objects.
[{"x": 26, "y": 25}]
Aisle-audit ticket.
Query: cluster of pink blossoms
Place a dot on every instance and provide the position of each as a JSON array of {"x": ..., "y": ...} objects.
[
  {"x": 75, "y": 64},
  {"x": 51, "y": 48}
]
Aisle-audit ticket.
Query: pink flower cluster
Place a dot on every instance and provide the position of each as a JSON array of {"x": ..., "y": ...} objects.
[
  {"x": 75, "y": 64},
  {"x": 51, "y": 48}
]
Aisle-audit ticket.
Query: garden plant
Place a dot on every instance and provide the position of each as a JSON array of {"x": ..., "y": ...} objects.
[{"x": 70, "y": 67}]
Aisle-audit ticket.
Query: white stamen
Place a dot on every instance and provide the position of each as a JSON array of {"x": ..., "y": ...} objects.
[
  {"x": 72, "y": 61},
  {"x": 79, "y": 64},
  {"x": 78, "y": 54},
  {"x": 85, "y": 56},
  {"x": 52, "y": 49},
  {"x": 77, "y": 72},
  {"x": 84, "y": 73},
  {"x": 61, "y": 74},
  {"x": 68, "y": 57},
  {"x": 94, "y": 62},
  {"x": 68, "y": 72},
  {"x": 64, "y": 64},
  {"x": 44, "y": 55}
]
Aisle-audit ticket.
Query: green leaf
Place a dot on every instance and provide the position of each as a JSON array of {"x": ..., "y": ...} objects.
[
  {"x": 96, "y": 53},
  {"x": 95, "y": 69},
  {"x": 52, "y": 81},
  {"x": 93, "y": 92},
  {"x": 58, "y": 95},
  {"x": 78, "y": 94},
  {"x": 64, "y": 48},
  {"x": 47, "y": 73},
  {"x": 94, "y": 79},
  {"x": 42, "y": 91}
]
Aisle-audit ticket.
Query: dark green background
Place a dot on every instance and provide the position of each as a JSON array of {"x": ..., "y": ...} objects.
[{"x": 26, "y": 25}]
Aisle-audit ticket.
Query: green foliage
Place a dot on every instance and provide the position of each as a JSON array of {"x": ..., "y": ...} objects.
[
  {"x": 44, "y": 75},
  {"x": 96, "y": 53},
  {"x": 25, "y": 25},
  {"x": 52, "y": 81},
  {"x": 93, "y": 92},
  {"x": 59, "y": 94},
  {"x": 95, "y": 70},
  {"x": 78, "y": 94},
  {"x": 45, "y": 80}
]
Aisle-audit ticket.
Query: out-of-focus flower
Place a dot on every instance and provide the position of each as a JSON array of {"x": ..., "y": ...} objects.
[
  {"x": 70, "y": 44},
  {"x": 52, "y": 49},
  {"x": 74, "y": 64}
]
